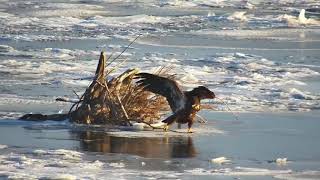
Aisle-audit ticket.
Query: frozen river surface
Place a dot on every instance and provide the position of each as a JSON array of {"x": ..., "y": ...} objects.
[{"x": 260, "y": 57}]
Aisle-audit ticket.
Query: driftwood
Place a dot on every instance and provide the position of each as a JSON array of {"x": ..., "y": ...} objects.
[
  {"x": 114, "y": 102},
  {"x": 118, "y": 101},
  {"x": 41, "y": 117}
]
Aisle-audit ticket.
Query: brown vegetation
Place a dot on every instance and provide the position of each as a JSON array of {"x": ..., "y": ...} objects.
[{"x": 117, "y": 101}]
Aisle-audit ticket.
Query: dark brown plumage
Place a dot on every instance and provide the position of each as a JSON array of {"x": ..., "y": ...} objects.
[{"x": 184, "y": 104}]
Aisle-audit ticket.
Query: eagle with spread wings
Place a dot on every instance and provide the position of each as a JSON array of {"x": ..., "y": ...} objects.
[{"x": 184, "y": 104}]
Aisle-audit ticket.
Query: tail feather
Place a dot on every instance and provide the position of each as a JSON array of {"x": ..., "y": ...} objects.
[{"x": 169, "y": 120}]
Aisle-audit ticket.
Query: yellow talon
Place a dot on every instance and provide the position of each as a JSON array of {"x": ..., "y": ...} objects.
[
  {"x": 166, "y": 127},
  {"x": 196, "y": 107},
  {"x": 190, "y": 130}
]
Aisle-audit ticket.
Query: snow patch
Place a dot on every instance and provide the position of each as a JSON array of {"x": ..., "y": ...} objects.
[
  {"x": 238, "y": 16},
  {"x": 221, "y": 160}
]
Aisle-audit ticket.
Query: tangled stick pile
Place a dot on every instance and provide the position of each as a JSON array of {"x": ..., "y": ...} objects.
[{"x": 117, "y": 101}]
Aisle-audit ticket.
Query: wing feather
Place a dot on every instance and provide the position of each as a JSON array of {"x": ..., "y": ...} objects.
[{"x": 163, "y": 86}]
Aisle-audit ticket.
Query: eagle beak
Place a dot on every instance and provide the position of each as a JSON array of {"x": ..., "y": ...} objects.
[{"x": 212, "y": 95}]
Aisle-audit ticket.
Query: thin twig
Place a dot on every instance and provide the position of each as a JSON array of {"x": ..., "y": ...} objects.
[
  {"x": 76, "y": 94},
  {"x": 202, "y": 120},
  {"x": 68, "y": 100},
  {"x": 110, "y": 56},
  {"x": 117, "y": 66},
  {"x": 123, "y": 50},
  {"x": 236, "y": 117},
  {"x": 163, "y": 128}
]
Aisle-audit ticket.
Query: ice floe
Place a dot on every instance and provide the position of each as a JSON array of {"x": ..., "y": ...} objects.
[
  {"x": 240, "y": 16},
  {"x": 72, "y": 164},
  {"x": 36, "y": 56},
  {"x": 3, "y": 146},
  {"x": 238, "y": 171},
  {"x": 232, "y": 75},
  {"x": 221, "y": 160},
  {"x": 300, "y": 20},
  {"x": 281, "y": 161}
]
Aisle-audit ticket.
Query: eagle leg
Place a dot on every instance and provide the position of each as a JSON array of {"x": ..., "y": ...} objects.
[
  {"x": 169, "y": 120},
  {"x": 189, "y": 127},
  {"x": 166, "y": 127},
  {"x": 179, "y": 125}
]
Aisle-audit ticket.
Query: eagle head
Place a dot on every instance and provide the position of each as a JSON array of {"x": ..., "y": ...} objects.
[{"x": 203, "y": 92}]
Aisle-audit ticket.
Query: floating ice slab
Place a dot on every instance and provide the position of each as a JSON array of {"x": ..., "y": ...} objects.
[
  {"x": 220, "y": 160},
  {"x": 281, "y": 161}
]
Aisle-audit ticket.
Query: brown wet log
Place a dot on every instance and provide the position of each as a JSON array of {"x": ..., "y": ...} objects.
[{"x": 43, "y": 117}]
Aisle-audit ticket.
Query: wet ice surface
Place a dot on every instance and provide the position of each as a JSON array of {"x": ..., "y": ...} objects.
[
  {"x": 249, "y": 148},
  {"x": 257, "y": 56}
]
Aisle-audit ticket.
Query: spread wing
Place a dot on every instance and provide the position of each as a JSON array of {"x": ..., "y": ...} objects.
[{"x": 163, "y": 86}]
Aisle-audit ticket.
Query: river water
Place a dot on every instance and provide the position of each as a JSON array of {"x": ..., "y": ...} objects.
[{"x": 260, "y": 57}]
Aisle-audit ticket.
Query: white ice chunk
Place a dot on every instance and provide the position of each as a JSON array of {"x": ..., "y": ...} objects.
[
  {"x": 189, "y": 78},
  {"x": 138, "y": 126},
  {"x": 281, "y": 161},
  {"x": 211, "y": 13},
  {"x": 303, "y": 20},
  {"x": 220, "y": 160},
  {"x": 297, "y": 94},
  {"x": 117, "y": 165},
  {"x": 238, "y": 16},
  {"x": 64, "y": 176},
  {"x": 3, "y": 146},
  {"x": 300, "y": 20}
]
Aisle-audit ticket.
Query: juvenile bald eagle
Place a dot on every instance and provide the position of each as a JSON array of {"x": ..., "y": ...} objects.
[{"x": 184, "y": 104}]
